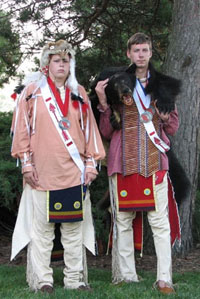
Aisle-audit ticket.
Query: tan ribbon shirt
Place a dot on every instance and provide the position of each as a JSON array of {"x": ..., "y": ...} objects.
[{"x": 40, "y": 145}]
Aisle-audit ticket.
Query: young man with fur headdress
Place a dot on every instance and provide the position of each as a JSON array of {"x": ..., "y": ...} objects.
[
  {"x": 138, "y": 165},
  {"x": 58, "y": 143}
]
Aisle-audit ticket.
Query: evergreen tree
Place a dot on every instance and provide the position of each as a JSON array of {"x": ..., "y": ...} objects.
[
  {"x": 99, "y": 29},
  {"x": 10, "y": 175},
  {"x": 10, "y": 54}
]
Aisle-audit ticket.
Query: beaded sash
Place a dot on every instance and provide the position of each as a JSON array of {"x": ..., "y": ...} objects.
[{"x": 139, "y": 154}]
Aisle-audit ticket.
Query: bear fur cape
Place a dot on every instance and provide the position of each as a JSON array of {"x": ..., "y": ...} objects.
[{"x": 162, "y": 88}]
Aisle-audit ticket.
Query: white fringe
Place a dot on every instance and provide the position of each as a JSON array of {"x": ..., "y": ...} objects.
[
  {"x": 85, "y": 269},
  {"x": 72, "y": 82},
  {"x": 31, "y": 276},
  {"x": 81, "y": 113},
  {"x": 34, "y": 116}
]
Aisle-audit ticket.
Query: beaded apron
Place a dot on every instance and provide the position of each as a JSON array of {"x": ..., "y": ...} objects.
[{"x": 139, "y": 154}]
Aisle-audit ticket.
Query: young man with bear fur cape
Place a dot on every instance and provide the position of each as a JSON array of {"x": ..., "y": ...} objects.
[{"x": 137, "y": 128}]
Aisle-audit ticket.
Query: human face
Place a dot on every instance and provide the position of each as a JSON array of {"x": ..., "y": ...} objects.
[
  {"x": 59, "y": 67},
  {"x": 140, "y": 55}
]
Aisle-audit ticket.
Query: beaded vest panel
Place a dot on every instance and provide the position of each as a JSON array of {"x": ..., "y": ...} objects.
[{"x": 139, "y": 154}]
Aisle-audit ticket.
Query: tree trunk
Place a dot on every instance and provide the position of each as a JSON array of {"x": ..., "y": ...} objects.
[{"x": 183, "y": 62}]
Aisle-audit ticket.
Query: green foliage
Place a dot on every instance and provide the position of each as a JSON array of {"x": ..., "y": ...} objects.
[
  {"x": 99, "y": 29},
  {"x": 14, "y": 286},
  {"x": 10, "y": 176},
  {"x": 25, "y": 15},
  {"x": 109, "y": 34},
  {"x": 10, "y": 54}
]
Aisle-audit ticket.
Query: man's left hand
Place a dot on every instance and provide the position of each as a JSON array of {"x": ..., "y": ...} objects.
[{"x": 163, "y": 116}]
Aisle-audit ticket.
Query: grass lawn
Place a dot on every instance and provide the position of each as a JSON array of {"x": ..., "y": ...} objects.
[{"x": 13, "y": 285}]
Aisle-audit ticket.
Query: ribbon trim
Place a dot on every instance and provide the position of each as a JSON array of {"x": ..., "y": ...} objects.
[{"x": 63, "y": 106}]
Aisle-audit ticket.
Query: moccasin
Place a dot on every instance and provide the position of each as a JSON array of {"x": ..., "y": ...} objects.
[
  {"x": 167, "y": 289},
  {"x": 46, "y": 289}
]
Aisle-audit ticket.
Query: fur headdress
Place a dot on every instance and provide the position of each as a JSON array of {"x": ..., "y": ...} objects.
[{"x": 60, "y": 47}]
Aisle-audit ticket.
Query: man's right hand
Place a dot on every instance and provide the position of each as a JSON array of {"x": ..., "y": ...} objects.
[
  {"x": 100, "y": 91},
  {"x": 31, "y": 178}
]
